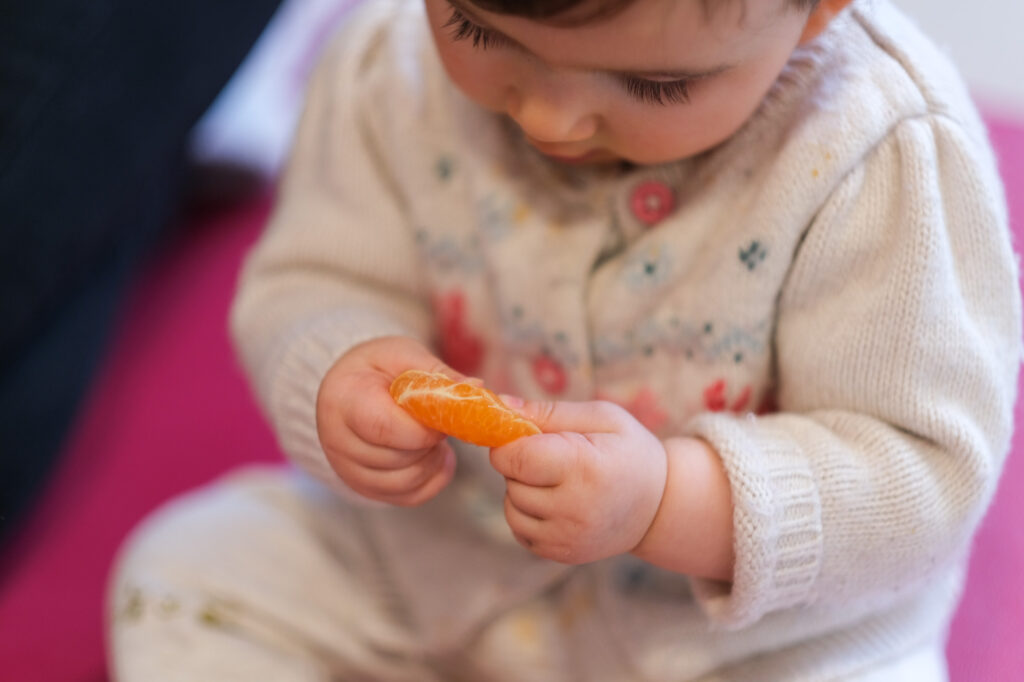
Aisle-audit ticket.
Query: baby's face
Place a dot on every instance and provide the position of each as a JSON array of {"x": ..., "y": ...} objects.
[{"x": 660, "y": 81}]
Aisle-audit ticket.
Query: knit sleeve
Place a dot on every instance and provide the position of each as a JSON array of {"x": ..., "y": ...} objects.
[
  {"x": 897, "y": 346},
  {"x": 337, "y": 263}
]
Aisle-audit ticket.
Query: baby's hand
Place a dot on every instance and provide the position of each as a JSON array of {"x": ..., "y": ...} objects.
[
  {"x": 377, "y": 449},
  {"x": 588, "y": 487}
]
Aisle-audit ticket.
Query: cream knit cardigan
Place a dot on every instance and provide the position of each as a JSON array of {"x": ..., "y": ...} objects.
[{"x": 842, "y": 262}]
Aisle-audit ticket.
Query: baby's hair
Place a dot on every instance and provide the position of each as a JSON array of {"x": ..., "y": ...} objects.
[{"x": 560, "y": 11}]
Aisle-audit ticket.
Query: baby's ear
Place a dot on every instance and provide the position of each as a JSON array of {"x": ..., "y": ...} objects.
[{"x": 822, "y": 14}]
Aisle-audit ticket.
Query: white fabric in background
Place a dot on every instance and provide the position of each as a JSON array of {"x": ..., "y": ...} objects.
[{"x": 251, "y": 122}]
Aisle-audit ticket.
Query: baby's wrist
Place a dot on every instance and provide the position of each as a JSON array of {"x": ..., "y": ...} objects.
[{"x": 692, "y": 530}]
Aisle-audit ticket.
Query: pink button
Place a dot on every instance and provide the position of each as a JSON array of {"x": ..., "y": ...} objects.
[{"x": 652, "y": 201}]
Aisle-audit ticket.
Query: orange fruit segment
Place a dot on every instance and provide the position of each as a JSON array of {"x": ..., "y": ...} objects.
[{"x": 460, "y": 409}]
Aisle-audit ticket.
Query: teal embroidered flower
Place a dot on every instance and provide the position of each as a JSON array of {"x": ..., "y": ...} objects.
[
  {"x": 648, "y": 268},
  {"x": 444, "y": 168}
]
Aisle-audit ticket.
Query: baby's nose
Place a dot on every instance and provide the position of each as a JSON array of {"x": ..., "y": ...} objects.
[{"x": 550, "y": 119}]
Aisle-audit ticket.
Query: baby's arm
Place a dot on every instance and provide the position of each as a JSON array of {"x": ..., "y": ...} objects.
[
  {"x": 337, "y": 264},
  {"x": 897, "y": 345},
  {"x": 692, "y": 532}
]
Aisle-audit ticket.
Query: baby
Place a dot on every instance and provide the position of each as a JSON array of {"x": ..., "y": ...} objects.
[{"x": 744, "y": 262}]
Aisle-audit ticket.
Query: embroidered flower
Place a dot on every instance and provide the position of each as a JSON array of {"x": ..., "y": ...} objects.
[
  {"x": 647, "y": 410},
  {"x": 716, "y": 399},
  {"x": 753, "y": 255},
  {"x": 460, "y": 347},
  {"x": 644, "y": 406},
  {"x": 444, "y": 168},
  {"x": 495, "y": 218},
  {"x": 549, "y": 374},
  {"x": 648, "y": 267}
]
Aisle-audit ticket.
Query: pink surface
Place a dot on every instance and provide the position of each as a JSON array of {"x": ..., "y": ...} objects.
[
  {"x": 984, "y": 643},
  {"x": 170, "y": 411}
]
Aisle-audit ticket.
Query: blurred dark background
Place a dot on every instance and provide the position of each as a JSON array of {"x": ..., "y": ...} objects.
[{"x": 97, "y": 98}]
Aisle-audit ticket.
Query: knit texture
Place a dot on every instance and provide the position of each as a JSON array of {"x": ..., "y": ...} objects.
[{"x": 829, "y": 298}]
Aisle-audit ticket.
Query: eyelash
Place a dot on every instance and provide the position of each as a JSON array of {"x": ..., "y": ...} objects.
[
  {"x": 464, "y": 29},
  {"x": 658, "y": 92},
  {"x": 640, "y": 89}
]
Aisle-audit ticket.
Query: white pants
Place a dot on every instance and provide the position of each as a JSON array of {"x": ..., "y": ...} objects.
[
  {"x": 268, "y": 577},
  {"x": 928, "y": 663}
]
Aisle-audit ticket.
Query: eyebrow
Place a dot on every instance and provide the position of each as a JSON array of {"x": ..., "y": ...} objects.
[{"x": 657, "y": 74}]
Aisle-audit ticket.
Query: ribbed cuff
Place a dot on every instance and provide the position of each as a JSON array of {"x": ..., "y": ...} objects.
[
  {"x": 291, "y": 383},
  {"x": 776, "y": 521}
]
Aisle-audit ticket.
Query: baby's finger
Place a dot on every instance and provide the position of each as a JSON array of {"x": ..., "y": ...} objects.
[
  {"x": 365, "y": 412},
  {"x": 440, "y": 478},
  {"x": 344, "y": 447},
  {"x": 597, "y": 416},
  {"x": 392, "y": 355},
  {"x": 526, "y": 528},
  {"x": 376, "y": 458},
  {"x": 407, "y": 485},
  {"x": 382, "y": 422},
  {"x": 399, "y": 481},
  {"x": 531, "y": 501},
  {"x": 339, "y": 440},
  {"x": 542, "y": 460}
]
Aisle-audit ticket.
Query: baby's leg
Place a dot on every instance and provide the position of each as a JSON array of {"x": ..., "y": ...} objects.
[
  {"x": 260, "y": 577},
  {"x": 927, "y": 664},
  {"x": 558, "y": 635}
]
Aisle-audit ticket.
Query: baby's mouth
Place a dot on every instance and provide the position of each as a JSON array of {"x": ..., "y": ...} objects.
[{"x": 566, "y": 155}]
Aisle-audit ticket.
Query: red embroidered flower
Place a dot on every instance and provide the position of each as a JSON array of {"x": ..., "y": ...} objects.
[
  {"x": 644, "y": 406},
  {"x": 652, "y": 201},
  {"x": 460, "y": 347},
  {"x": 742, "y": 400},
  {"x": 714, "y": 396},
  {"x": 549, "y": 374},
  {"x": 715, "y": 399}
]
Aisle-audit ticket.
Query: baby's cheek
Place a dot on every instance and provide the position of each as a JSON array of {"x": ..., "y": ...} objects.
[
  {"x": 661, "y": 135},
  {"x": 476, "y": 77}
]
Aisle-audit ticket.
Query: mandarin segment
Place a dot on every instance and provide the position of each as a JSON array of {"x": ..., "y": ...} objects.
[{"x": 460, "y": 409}]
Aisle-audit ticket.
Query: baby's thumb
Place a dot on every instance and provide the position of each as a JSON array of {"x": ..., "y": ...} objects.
[{"x": 556, "y": 416}]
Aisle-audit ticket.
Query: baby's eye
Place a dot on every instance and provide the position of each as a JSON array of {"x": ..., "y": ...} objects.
[
  {"x": 658, "y": 92},
  {"x": 462, "y": 28}
]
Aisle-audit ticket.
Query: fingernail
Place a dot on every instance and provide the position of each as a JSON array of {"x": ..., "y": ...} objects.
[{"x": 513, "y": 401}]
